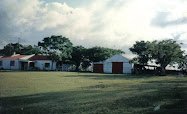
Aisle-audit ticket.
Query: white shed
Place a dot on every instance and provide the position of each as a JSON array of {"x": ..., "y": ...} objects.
[{"x": 115, "y": 64}]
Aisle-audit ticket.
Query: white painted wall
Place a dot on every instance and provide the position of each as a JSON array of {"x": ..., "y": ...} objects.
[
  {"x": 107, "y": 64},
  {"x": 107, "y": 67},
  {"x": 117, "y": 58},
  {"x": 41, "y": 65},
  {"x": 38, "y": 63},
  {"x": 67, "y": 67},
  {"x": 6, "y": 64},
  {"x": 127, "y": 68}
]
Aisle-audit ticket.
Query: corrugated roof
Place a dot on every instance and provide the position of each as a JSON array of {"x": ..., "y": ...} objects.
[
  {"x": 14, "y": 57},
  {"x": 39, "y": 57}
]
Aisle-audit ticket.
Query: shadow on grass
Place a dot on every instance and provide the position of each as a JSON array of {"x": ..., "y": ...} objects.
[
  {"x": 100, "y": 76},
  {"x": 53, "y": 102},
  {"x": 172, "y": 100},
  {"x": 169, "y": 81}
]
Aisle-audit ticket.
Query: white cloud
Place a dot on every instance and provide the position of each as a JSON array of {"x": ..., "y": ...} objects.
[{"x": 108, "y": 23}]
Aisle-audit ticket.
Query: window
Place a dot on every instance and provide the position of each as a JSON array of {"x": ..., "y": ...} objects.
[
  {"x": 47, "y": 64},
  {"x": 1, "y": 63},
  {"x": 12, "y": 63}
]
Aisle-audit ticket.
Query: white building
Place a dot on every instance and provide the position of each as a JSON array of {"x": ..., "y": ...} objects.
[
  {"x": 12, "y": 62},
  {"x": 115, "y": 64},
  {"x": 27, "y": 62}
]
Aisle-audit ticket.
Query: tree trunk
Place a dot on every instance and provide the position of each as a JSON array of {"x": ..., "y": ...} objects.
[
  {"x": 163, "y": 70},
  {"x": 52, "y": 66},
  {"x": 77, "y": 68}
]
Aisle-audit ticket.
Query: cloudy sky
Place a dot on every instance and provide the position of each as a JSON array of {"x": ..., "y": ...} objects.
[{"x": 109, "y": 23}]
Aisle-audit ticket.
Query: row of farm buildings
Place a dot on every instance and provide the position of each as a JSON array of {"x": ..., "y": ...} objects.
[{"x": 115, "y": 64}]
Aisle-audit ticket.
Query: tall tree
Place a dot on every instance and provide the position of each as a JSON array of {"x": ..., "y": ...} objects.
[
  {"x": 96, "y": 54},
  {"x": 10, "y": 48},
  {"x": 78, "y": 55},
  {"x": 140, "y": 49},
  {"x": 165, "y": 52},
  {"x": 58, "y": 48}
]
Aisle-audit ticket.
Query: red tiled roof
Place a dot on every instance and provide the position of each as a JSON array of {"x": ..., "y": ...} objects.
[
  {"x": 14, "y": 57},
  {"x": 39, "y": 57}
]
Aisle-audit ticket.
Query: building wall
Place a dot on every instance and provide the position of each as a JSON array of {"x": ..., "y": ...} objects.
[
  {"x": 127, "y": 68},
  {"x": 6, "y": 64},
  {"x": 117, "y": 58},
  {"x": 67, "y": 67},
  {"x": 40, "y": 64},
  {"x": 107, "y": 67},
  {"x": 107, "y": 64}
]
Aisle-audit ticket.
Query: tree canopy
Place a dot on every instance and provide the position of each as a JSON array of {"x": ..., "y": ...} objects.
[
  {"x": 18, "y": 48},
  {"x": 96, "y": 54},
  {"x": 78, "y": 55},
  {"x": 57, "y": 47},
  {"x": 140, "y": 48},
  {"x": 163, "y": 52},
  {"x": 82, "y": 56}
]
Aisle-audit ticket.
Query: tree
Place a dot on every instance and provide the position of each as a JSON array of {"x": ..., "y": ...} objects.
[
  {"x": 96, "y": 54},
  {"x": 10, "y": 48},
  {"x": 85, "y": 63},
  {"x": 78, "y": 55},
  {"x": 58, "y": 48},
  {"x": 140, "y": 49},
  {"x": 28, "y": 50},
  {"x": 183, "y": 64},
  {"x": 165, "y": 52}
]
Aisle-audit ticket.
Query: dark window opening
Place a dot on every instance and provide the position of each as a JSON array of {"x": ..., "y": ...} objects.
[
  {"x": 1, "y": 63},
  {"x": 12, "y": 63},
  {"x": 47, "y": 64}
]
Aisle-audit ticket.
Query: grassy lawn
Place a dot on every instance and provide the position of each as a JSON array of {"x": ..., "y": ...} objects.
[{"x": 72, "y": 92}]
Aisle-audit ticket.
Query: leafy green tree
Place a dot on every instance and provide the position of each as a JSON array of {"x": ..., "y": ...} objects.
[
  {"x": 183, "y": 64},
  {"x": 28, "y": 50},
  {"x": 10, "y": 48},
  {"x": 96, "y": 54},
  {"x": 165, "y": 52},
  {"x": 85, "y": 63},
  {"x": 58, "y": 48},
  {"x": 140, "y": 49},
  {"x": 78, "y": 55}
]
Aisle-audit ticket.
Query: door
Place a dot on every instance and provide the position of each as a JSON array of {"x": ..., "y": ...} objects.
[
  {"x": 117, "y": 67},
  {"x": 98, "y": 68},
  {"x": 24, "y": 65}
]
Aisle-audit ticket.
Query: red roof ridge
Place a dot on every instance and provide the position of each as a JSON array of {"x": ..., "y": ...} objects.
[
  {"x": 39, "y": 57},
  {"x": 14, "y": 57}
]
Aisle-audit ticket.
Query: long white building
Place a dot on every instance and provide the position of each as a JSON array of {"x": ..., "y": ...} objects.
[{"x": 27, "y": 62}]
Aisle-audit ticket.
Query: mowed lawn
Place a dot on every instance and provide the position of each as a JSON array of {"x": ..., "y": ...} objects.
[{"x": 73, "y": 92}]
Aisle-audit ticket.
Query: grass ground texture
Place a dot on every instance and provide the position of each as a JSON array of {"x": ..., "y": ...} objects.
[{"x": 73, "y": 92}]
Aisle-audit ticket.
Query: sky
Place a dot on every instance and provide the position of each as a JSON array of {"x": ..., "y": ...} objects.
[{"x": 116, "y": 24}]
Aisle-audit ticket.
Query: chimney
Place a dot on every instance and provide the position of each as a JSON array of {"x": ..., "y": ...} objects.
[{"x": 14, "y": 53}]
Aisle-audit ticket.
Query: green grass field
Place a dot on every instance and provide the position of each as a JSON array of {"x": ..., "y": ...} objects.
[{"x": 72, "y": 92}]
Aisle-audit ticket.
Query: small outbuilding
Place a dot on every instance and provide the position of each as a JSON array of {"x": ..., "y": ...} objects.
[{"x": 118, "y": 64}]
